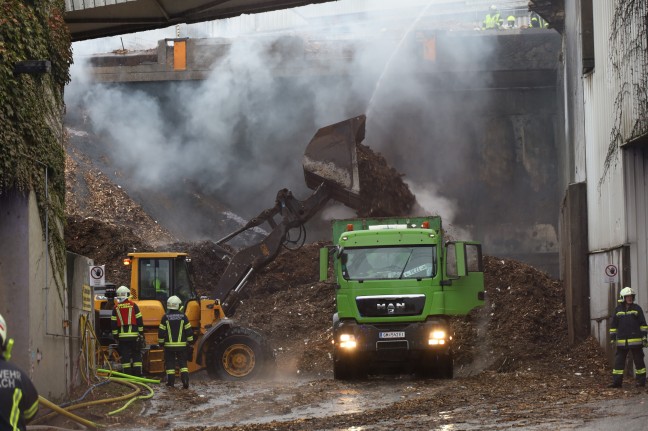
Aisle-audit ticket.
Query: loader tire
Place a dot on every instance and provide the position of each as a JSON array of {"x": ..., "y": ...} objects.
[{"x": 240, "y": 354}]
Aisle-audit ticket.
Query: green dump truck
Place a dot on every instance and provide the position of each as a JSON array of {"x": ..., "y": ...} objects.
[{"x": 397, "y": 284}]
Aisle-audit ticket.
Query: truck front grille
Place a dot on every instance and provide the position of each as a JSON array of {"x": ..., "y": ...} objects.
[{"x": 390, "y": 305}]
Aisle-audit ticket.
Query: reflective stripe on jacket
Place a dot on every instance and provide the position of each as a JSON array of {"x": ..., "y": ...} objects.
[
  {"x": 628, "y": 325},
  {"x": 126, "y": 320},
  {"x": 18, "y": 397},
  {"x": 175, "y": 330},
  {"x": 492, "y": 21}
]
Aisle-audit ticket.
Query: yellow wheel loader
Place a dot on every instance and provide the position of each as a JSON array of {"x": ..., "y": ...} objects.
[{"x": 226, "y": 349}]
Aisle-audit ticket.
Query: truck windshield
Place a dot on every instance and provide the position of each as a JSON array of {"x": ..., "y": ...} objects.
[{"x": 387, "y": 263}]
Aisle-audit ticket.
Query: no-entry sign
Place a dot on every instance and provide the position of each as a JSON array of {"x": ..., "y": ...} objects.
[
  {"x": 97, "y": 275},
  {"x": 611, "y": 274}
]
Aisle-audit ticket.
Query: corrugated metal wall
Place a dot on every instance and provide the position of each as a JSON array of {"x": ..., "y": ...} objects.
[
  {"x": 617, "y": 180},
  {"x": 636, "y": 166},
  {"x": 604, "y": 169}
]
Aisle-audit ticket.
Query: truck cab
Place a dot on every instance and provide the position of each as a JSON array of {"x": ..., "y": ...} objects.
[{"x": 397, "y": 284}]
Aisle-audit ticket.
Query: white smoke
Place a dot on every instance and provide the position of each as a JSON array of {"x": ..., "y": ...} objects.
[{"x": 241, "y": 133}]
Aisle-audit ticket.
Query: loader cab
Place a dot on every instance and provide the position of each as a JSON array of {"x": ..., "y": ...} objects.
[
  {"x": 156, "y": 276},
  {"x": 160, "y": 276}
]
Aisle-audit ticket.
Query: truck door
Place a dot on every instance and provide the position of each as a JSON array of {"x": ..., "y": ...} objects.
[{"x": 465, "y": 274}]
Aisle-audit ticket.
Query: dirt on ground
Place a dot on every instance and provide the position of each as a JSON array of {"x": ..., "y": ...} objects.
[{"x": 514, "y": 364}]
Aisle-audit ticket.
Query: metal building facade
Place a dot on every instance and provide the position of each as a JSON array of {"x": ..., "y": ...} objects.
[{"x": 614, "y": 113}]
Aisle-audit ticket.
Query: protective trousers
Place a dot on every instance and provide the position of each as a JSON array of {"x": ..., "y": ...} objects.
[
  {"x": 131, "y": 356},
  {"x": 173, "y": 357},
  {"x": 619, "y": 365}
]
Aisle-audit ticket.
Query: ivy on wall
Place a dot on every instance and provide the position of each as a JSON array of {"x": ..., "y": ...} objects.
[
  {"x": 32, "y": 155},
  {"x": 629, "y": 65}
]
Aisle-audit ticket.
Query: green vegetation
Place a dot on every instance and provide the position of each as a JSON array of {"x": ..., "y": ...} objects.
[{"x": 32, "y": 155}]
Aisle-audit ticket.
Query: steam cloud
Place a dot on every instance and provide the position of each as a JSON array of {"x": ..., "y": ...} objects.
[{"x": 240, "y": 134}]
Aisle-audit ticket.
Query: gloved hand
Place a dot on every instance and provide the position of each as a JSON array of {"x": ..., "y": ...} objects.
[
  {"x": 645, "y": 341},
  {"x": 613, "y": 339},
  {"x": 190, "y": 351},
  {"x": 141, "y": 342}
]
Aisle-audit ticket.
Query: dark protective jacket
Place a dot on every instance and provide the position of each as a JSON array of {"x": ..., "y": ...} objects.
[
  {"x": 175, "y": 330},
  {"x": 628, "y": 325},
  {"x": 126, "y": 321},
  {"x": 18, "y": 397}
]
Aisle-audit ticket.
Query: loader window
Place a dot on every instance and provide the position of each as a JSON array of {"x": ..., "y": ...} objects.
[
  {"x": 385, "y": 263},
  {"x": 154, "y": 276},
  {"x": 182, "y": 284}
]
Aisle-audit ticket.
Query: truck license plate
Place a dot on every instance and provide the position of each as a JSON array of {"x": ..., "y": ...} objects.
[{"x": 392, "y": 334}]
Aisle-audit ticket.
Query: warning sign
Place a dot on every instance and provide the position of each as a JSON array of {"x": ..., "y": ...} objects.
[
  {"x": 86, "y": 298},
  {"x": 97, "y": 275},
  {"x": 611, "y": 274}
]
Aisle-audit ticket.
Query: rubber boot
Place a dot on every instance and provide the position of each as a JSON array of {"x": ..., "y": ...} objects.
[
  {"x": 641, "y": 380},
  {"x": 185, "y": 380},
  {"x": 617, "y": 381},
  {"x": 170, "y": 379}
]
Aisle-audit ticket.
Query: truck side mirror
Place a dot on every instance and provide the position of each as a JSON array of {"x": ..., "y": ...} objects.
[{"x": 324, "y": 260}]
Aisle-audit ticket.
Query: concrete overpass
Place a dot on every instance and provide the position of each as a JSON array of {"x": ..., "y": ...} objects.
[{"x": 100, "y": 18}]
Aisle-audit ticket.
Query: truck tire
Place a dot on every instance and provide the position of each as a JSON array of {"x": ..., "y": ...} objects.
[
  {"x": 239, "y": 354},
  {"x": 436, "y": 366},
  {"x": 347, "y": 368},
  {"x": 445, "y": 366}
]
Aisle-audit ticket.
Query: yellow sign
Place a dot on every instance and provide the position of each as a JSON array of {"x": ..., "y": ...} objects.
[{"x": 86, "y": 295}]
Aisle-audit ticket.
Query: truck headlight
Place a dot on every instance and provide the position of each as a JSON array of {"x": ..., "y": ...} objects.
[
  {"x": 437, "y": 338},
  {"x": 348, "y": 341}
]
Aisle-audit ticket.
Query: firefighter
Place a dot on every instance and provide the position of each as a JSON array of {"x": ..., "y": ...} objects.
[
  {"x": 510, "y": 22},
  {"x": 492, "y": 21},
  {"x": 128, "y": 331},
  {"x": 18, "y": 396},
  {"x": 176, "y": 335},
  {"x": 628, "y": 332}
]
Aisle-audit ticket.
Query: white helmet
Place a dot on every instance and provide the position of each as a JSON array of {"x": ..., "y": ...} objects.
[
  {"x": 3, "y": 331},
  {"x": 173, "y": 303},
  {"x": 493, "y": 8},
  {"x": 123, "y": 293},
  {"x": 626, "y": 291}
]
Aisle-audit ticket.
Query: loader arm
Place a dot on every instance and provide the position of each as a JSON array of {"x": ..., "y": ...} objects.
[
  {"x": 330, "y": 169},
  {"x": 294, "y": 213}
]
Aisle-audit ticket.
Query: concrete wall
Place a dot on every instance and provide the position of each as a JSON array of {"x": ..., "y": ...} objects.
[
  {"x": 574, "y": 262},
  {"x": 33, "y": 306},
  {"x": 77, "y": 279}
]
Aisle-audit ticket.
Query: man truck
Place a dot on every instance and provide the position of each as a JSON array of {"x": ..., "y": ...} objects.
[{"x": 398, "y": 283}]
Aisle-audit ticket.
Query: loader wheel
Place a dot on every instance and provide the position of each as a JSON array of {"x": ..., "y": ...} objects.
[{"x": 240, "y": 354}]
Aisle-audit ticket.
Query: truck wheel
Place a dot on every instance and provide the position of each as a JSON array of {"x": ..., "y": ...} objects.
[
  {"x": 436, "y": 366},
  {"x": 239, "y": 354},
  {"x": 445, "y": 366},
  {"x": 346, "y": 368}
]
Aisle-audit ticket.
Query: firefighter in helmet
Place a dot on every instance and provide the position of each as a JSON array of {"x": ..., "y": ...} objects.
[
  {"x": 493, "y": 20},
  {"x": 628, "y": 332},
  {"x": 128, "y": 331},
  {"x": 18, "y": 396},
  {"x": 176, "y": 335}
]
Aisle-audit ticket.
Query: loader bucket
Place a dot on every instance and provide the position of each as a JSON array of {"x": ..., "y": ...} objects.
[{"x": 331, "y": 158}]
